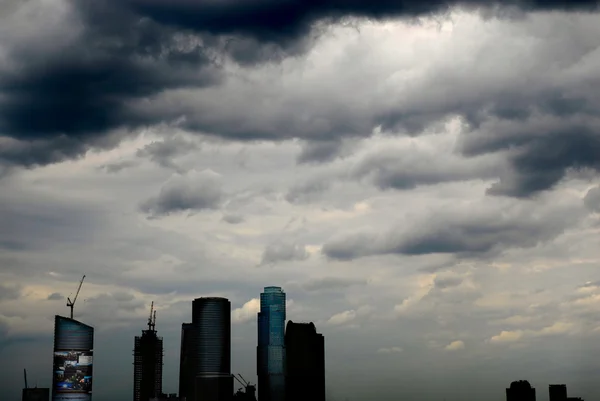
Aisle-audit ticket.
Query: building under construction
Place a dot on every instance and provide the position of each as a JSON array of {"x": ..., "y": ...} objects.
[
  {"x": 148, "y": 362},
  {"x": 34, "y": 394}
]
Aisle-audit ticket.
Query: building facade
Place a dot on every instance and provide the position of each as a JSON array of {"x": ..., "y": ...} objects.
[
  {"x": 147, "y": 366},
  {"x": 205, "y": 366},
  {"x": 73, "y": 360},
  {"x": 271, "y": 345},
  {"x": 305, "y": 363}
]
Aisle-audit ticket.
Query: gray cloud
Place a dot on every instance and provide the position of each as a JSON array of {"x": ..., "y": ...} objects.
[
  {"x": 117, "y": 167},
  {"x": 195, "y": 191},
  {"x": 309, "y": 189},
  {"x": 406, "y": 169},
  {"x": 330, "y": 283},
  {"x": 592, "y": 199},
  {"x": 283, "y": 251},
  {"x": 164, "y": 152},
  {"x": 325, "y": 151},
  {"x": 55, "y": 296},
  {"x": 233, "y": 218},
  {"x": 9, "y": 292},
  {"x": 465, "y": 233}
]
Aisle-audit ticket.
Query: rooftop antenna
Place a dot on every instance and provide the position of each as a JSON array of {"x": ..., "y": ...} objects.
[
  {"x": 70, "y": 303},
  {"x": 25, "y": 374},
  {"x": 154, "y": 321}
]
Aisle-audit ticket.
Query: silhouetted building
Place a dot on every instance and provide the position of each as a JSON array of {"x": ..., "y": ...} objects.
[
  {"x": 205, "y": 367},
  {"x": 305, "y": 363},
  {"x": 186, "y": 373},
  {"x": 36, "y": 394},
  {"x": 248, "y": 393},
  {"x": 147, "y": 364},
  {"x": 166, "y": 397},
  {"x": 558, "y": 392},
  {"x": 520, "y": 391},
  {"x": 73, "y": 360},
  {"x": 271, "y": 350}
]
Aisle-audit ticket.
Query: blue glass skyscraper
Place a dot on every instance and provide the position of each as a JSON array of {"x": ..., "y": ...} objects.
[{"x": 271, "y": 345}]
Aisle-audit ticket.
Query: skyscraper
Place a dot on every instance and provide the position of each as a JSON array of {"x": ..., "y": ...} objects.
[
  {"x": 304, "y": 363},
  {"x": 73, "y": 357},
  {"x": 148, "y": 363},
  {"x": 520, "y": 391},
  {"x": 206, "y": 352},
  {"x": 271, "y": 348}
]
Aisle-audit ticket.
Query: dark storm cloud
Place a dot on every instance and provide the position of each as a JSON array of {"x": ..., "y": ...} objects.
[
  {"x": 288, "y": 20},
  {"x": 540, "y": 152},
  {"x": 472, "y": 234},
  {"x": 74, "y": 92},
  {"x": 196, "y": 191},
  {"x": 56, "y": 296},
  {"x": 407, "y": 169},
  {"x": 59, "y": 99}
]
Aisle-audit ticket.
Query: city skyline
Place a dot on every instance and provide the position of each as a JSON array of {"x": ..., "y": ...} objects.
[{"x": 421, "y": 177}]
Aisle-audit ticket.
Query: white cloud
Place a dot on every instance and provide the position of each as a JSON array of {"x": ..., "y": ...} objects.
[
  {"x": 247, "y": 312},
  {"x": 455, "y": 346},
  {"x": 342, "y": 318},
  {"x": 507, "y": 337},
  {"x": 392, "y": 350}
]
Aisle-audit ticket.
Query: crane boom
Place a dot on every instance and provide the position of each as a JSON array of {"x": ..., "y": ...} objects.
[
  {"x": 70, "y": 303},
  {"x": 236, "y": 378},
  {"x": 245, "y": 382}
]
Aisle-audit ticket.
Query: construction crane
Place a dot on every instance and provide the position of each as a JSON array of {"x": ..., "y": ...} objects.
[
  {"x": 70, "y": 303},
  {"x": 152, "y": 318},
  {"x": 245, "y": 382},
  {"x": 25, "y": 374},
  {"x": 236, "y": 378}
]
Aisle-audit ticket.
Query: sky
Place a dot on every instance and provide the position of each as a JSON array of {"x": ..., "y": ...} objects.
[{"x": 421, "y": 178}]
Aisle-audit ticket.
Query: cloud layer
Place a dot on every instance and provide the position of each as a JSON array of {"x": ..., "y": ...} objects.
[{"x": 420, "y": 177}]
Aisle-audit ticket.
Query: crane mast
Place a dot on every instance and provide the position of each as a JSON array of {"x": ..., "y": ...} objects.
[
  {"x": 152, "y": 318},
  {"x": 70, "y": 303}
]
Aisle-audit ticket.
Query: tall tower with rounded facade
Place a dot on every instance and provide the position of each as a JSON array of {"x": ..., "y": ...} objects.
[
  {"x": 271, "y": 345},
  {"x": 208, "y": 349}
]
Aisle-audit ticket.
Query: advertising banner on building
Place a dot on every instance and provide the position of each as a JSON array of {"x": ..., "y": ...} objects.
[{"x": 73, "y": 360}]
